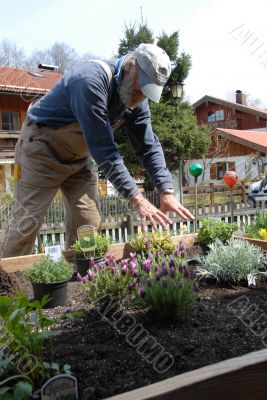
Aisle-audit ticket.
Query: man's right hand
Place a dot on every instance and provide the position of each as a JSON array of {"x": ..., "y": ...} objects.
[{"x": 149, "y": 213}]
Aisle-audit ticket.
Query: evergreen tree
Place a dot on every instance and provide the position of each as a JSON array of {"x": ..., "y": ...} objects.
[{"x": 173, "y": 120}]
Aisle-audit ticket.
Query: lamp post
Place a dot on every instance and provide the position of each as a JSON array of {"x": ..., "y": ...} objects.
[{"x": 177, "y": 93}]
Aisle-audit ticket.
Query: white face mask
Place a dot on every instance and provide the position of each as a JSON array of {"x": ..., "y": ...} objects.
[{"x": 129, "y": 90}]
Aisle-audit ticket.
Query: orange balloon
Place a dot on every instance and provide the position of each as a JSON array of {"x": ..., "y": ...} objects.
[{"x": 230, "y": 178}]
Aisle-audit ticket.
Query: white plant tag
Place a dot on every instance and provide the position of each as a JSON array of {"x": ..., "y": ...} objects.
[{"x": 53, "y": 251}]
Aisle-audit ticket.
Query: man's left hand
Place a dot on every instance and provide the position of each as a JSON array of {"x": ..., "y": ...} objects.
[{"x": 169, "y": 203}]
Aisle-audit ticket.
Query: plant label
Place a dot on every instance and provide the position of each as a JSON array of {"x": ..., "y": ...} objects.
[
  {"x": 256, "y": 280},
  {"x": 86, "y": 236},
  {"x": 53, "y": 251},
  {"x": 63, "y": 387}
]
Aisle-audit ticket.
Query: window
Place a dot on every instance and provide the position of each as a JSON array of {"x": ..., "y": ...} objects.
[
  {"x": 218, "y": 170},
  {"x": 214, "y": 116},
  {"x": 221, "y": 169},
  {"x": 9, "y": 121}
]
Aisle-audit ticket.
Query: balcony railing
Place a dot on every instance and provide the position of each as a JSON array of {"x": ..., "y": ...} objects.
[{"x": 9, "y": 134}]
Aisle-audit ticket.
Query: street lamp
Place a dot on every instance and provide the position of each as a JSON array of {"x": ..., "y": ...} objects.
[
  {"x": 177, "y": 90},
  {"x": 177, "y": 93}
]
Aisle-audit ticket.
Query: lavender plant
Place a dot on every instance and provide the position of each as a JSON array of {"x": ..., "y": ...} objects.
[{"x": 163, "y": 282}]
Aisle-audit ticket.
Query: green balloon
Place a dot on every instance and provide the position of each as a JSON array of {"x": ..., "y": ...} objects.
[{"x": 196, "y": 169}]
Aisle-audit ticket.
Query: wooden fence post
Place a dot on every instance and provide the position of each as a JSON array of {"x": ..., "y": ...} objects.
[
  {"x": 212, "y": 194},
  {"x": 130, "y": 226}
]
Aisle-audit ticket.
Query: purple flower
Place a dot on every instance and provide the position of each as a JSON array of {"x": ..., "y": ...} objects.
[
  {"x": 172, "y": 272},
  {"x": 113, "y": 270},
  {"x": 163, "y": 264},
  {"x": 186, "y": 273},
  {"x": 147, "y": 265},
  {"x": 131, "y": 286},
  {"x": 149, "y": 282},
  {"x": 79, "y": 277},
  {"x": 142, "y": 292},
  {"x": 172, "y": 263},
  {"x": 158, "y": 276},
  {"x": 133, "y": 255},
  {"x": 91, "y": 262},
  {"x": 90, "y": 275},
  {"x": 180, "y": 268},
  {"x": 180, "y": 250},
  {"x": 124, "y": 270},
  {"x": 164, "y": 283},
  {"x": 164, "y": 270}
]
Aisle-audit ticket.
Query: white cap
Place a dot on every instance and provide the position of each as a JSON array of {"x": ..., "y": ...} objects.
[{"x": 155, "y": 68}]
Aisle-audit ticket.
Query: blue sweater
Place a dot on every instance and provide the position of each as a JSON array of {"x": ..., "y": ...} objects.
[{"x": 85, "y": 95}]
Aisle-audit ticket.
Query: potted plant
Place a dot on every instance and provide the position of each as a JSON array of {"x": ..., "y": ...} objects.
[
  {"x": 82, "y": 260},
  {"x": 50, "y": 277}
]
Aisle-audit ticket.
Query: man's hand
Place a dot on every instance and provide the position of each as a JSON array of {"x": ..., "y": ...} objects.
[
  {"x": 169, "y": 203},
  {"x": 147, "y": 212}
]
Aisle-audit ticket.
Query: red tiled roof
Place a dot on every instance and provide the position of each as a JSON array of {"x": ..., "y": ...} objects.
[
  {"x": 262, "y": 112},
  {"x": 254, "y": 139},
  {"x": 16, "y": 80}
]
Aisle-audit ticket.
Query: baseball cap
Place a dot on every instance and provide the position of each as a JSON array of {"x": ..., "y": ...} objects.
[{"x": 155, "y": 68}]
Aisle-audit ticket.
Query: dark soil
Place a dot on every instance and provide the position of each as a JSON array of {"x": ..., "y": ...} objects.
[{"x": 105, "y": 359}]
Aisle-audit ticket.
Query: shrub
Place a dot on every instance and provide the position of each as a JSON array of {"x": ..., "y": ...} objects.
[
  {"x": 47, "y": 271},
  {"x": 212, "y": 230},
  {"x": 230, "y": 262},
  {"x": 150, "y": 243}
]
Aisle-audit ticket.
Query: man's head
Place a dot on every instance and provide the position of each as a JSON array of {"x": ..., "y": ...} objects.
[
  {"x": 155, "y": 69},
  {"x": 145, "y": 72}
]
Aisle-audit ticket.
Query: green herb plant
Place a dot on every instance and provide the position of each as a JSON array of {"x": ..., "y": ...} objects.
[
  {"x": 24, "y": 329},
  {"x": 230, "y": 262},
  {"x": 48, "y": 270},
  {"x": 153, "y": 242},
  {"x": 211, "y": 230},
  {"x": 102, "y": 244}
]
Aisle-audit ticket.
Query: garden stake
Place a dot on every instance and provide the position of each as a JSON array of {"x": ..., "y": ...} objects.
[
  {"x": 195, "y": 170},
  {"x": 230, "y": 178}
]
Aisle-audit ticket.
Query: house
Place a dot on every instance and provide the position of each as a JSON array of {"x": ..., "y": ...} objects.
[
  {"x": 239, "y": 138},
  {"x": 18, "y": 88}
]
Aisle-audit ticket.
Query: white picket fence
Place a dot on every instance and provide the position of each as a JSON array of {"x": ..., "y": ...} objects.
[{"x": 122, "y": 227}]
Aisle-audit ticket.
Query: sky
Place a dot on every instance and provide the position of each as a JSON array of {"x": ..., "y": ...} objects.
[{"x": 226, "y": 39}]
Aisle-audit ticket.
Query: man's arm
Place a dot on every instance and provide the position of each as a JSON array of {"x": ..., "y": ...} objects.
[{"x": 149, "y": 150}]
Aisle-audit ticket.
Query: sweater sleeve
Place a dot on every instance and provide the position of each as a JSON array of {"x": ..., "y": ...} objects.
[{"x": 88, "y": 100}]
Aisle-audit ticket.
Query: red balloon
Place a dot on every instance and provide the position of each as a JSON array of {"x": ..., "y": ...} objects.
[{"x": 230, "y": 178}]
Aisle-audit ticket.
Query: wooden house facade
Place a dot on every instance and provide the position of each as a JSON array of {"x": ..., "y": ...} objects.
[
  {"x": 239, "y": 138},
  {"x": 18, "y": 88}
]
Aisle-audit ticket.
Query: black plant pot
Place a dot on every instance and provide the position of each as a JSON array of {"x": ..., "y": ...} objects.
[
  {"x": 57, "y": 292},
  {"x": 82, "y": 266}
]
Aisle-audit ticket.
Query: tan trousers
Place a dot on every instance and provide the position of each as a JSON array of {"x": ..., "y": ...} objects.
[{"x": 51, "y": 159}]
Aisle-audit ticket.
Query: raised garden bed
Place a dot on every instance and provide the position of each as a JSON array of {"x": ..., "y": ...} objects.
[{"x": 106, "y": 362}]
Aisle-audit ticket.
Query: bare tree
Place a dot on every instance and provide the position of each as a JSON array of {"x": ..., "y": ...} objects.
[
  {"x": 11, "y": 55},
  {"x": 59, "y": 54}
]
